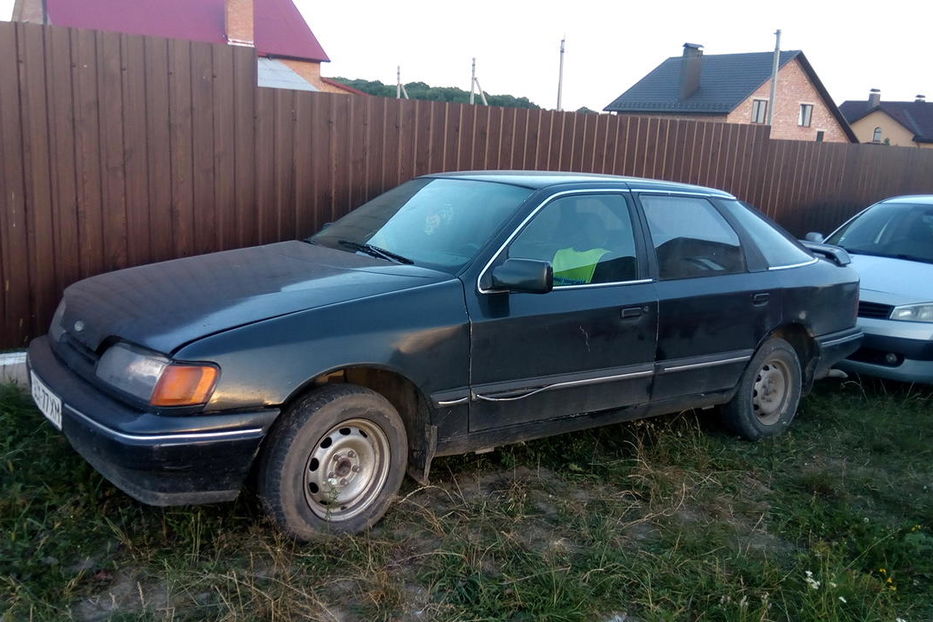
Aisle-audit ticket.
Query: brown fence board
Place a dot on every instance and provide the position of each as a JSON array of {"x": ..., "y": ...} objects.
[
  {"x": 135, "y": 152},
  {"x": 204, "y": 210},
  {"x": 118, "y": 150},
  {"x": 284, "y": 163},
  {"x": 180, "y": 135},
  {"x": 158, "y": 149},
  {"x": 113, "y": 170},
  {"x": 39, "y": 222},
  {"x": 17, "y": 290},
  {"x": 224, "y": 150}
]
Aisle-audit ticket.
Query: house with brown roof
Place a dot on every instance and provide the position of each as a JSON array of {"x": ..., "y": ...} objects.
[
  {"x": 290, "y": 56},
  {"x": 736, "y": 88},
  {"x": 903, "y": 124}
]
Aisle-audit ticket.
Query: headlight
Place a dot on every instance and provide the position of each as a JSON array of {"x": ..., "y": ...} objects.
[
  {"x": 914, "y": 313},
  {"x": 154, "y": 378},
  {"x": 57, "y": 327}
]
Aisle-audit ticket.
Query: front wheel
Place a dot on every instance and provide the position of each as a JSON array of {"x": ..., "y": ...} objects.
[
  {"x": 334, "y": 462},
  {"x": 768, "y": 393}
]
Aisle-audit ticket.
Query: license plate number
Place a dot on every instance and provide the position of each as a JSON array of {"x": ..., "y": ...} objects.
[{"x": 49, "y": 403}]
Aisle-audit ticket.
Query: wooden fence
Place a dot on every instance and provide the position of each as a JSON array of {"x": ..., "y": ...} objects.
[{"x": 118, "y": 150}]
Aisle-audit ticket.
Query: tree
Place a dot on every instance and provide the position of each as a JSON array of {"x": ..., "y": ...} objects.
[{"x": 421, "y": 90}]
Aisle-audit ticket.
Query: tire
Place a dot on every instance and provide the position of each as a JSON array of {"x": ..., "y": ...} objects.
[
  {"x": 333, "y": 462},
  {"x": 768, "y": 394}
]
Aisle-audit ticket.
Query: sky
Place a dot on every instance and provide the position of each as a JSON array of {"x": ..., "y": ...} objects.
[{"x": 610, "y": 45}]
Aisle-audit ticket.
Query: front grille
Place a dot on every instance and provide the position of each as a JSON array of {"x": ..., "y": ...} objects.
[
  {"x": 874, "y": 310},
  {"x": 76, "y": 356}
]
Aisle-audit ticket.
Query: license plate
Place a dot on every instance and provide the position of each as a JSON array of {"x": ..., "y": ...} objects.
[{"x": 49, "y": 403}]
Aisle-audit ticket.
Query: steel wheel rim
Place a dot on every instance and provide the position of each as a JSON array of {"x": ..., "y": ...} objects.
[
  {"x": 771, "y": 391},
  {"x": 346, "y": 469}
]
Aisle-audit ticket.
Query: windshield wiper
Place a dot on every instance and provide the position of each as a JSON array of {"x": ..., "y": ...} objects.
[
  {"x": 912, "y": 258},
  {"x": 375, "y": 251}
]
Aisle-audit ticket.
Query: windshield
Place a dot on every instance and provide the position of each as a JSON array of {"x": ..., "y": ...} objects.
[
  {"x": 437, "y": 223},
  {"x": 900, "y": 230}
]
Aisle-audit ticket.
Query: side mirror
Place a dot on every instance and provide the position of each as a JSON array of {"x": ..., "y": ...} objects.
[
  {"x": 524, "y": 275},
  {"x": 814, "y": 237}
]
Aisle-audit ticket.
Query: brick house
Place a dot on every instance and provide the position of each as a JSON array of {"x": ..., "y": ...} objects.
[
  {"x": 290, "y": 56},
  {"x": 736, "y": 88},
  {"x": 902, "y": 124}
]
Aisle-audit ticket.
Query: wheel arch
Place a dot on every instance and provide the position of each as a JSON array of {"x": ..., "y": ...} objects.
[
  {"x": 804, "y": 344},
  {"x": 404, "y": 395}
]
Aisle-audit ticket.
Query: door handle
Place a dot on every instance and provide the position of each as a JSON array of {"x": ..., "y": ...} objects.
[
  {"x": 630, "y": 312},
  {"x": 760, "y": 298}
]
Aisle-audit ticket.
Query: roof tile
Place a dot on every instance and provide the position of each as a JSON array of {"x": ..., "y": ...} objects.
[
  {"x": 280, "y": 29},
  {"x": 726, "y": 80}
]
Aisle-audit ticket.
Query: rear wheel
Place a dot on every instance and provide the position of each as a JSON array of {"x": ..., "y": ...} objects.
[
  {"x": 334, "y": 462},
  {"x": 768, "y": 393}
]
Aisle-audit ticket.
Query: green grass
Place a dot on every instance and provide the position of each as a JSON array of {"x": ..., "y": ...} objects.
[{"x": 665, "y": 519}]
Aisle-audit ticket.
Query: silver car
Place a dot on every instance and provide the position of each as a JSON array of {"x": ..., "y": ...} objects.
[{"x": 891, "y": 245}]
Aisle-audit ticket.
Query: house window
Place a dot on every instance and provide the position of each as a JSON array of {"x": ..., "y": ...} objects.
[
  {"x": 759, "y": 111},
  {"x": 876, "y": 136},
  {"x": 820, "y": 135},
  {"x": 806, "y": 114}
]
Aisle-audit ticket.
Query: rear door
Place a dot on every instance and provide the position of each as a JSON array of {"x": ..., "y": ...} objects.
[
  {"x": 586, "y": 346},
  {"x": 712, "y": 310}
]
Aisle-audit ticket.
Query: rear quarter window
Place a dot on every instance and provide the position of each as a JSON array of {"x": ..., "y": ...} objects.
[{"x": 777, "y": 248}]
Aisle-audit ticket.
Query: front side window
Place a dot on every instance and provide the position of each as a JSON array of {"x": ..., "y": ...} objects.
[
  {"x": 806, "y": 115},
  {"x": 438, "y": 223},
  {"x": 587, "y": 238},
  {"x": 691, "y": 238},
  {"x": 760, "y": 111}
]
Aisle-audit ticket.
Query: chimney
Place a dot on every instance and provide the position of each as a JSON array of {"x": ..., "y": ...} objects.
[
  {"x": 874, "y": 98},
  {"x": 921, "y": 98},
  {"x": 238, "y": 20},
  {"x": 30, "y": 11},
  {"x": 690, "y": 67}
]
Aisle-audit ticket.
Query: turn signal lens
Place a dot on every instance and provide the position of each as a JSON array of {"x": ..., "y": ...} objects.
[{"x": 184, "y": 385}]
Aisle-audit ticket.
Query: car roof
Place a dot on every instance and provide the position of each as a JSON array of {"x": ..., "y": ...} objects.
[
  {"x": 546, "y": 179},
  {"x": 922, "y": 199}
]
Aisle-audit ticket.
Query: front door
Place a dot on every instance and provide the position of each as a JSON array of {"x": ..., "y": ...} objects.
[{"x": 586, "y": 346}]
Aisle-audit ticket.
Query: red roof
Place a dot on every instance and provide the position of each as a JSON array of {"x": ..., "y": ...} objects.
[{"x": 280, "y": 30}]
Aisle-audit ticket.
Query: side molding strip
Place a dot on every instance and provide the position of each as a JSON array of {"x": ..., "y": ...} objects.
[
  {"x": 564, "y": 385},
  {"x": 735, "y": 359}
]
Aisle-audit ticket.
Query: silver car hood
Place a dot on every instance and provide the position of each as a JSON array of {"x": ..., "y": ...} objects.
[{"x": 894, "y": 281}]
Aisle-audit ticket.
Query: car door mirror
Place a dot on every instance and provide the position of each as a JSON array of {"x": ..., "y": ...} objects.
[
  {"x": 524, "y": 275},
  {"x": 813, "y": 236}
]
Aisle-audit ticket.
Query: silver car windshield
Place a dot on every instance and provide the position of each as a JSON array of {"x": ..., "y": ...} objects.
[
  {"x": 899, "y": 230},
  {"x": 438, "y": 223}
]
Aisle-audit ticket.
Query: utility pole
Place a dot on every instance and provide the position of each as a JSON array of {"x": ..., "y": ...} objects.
[
  {"x": 399, "y": 87},
  {"x": 560, "y": 74},
  {"x": 774, "y": 75},
  {"x": 474, "y": 86}
]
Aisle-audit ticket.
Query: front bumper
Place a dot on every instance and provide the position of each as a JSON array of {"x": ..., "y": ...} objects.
[
  {"x": 158, "y": 460},
  {"x": 912, "y": 358}
]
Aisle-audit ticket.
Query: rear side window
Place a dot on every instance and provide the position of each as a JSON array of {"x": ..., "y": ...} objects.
[
  {"x": 691, "y": 238},
  {"x": 777, "y": 250}
]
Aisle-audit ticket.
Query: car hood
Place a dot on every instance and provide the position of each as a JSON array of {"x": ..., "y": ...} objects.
[
  {"x": 166, "y": 305},
  {"x": 894, "y": 281}
]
